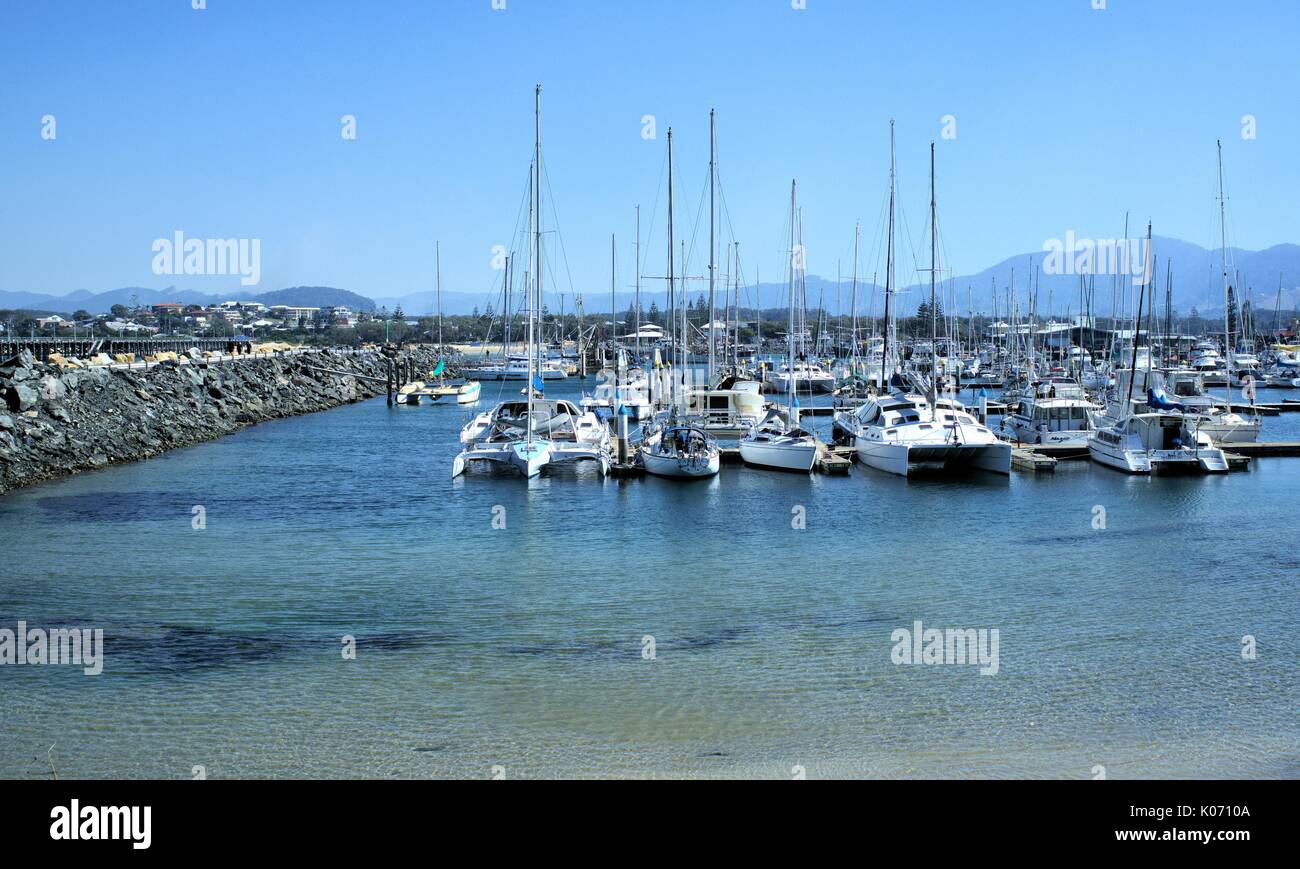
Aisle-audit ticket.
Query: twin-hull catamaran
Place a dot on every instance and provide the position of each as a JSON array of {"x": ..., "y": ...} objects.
[
  {"x": 908, "y": 431},
  {"x": 903, "y": 433},
  {"x": 531, "y": 434}
]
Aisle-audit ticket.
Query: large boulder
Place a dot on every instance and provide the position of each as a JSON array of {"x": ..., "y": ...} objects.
[
  {"x": 21, "y": 397},
  {"x": 53, "y": 388}
]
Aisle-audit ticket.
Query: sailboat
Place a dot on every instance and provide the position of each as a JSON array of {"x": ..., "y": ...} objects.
[
  {"x": 778, "y": 441},
  {"x": 1155, "y": 439},
  {"x": 530, "y": 434},
  {"x": 621, "y": 385},
  {"x": 910, "y": 430},
  {"x": 676, "y": 446},
  {"x": 467, "y": 390},
  {"x": 729, "y": 406}
]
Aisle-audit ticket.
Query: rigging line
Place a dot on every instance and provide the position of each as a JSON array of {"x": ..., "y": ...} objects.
[
  {"x": 564, "y": 254},
  {"x": 654, "y": 210}
]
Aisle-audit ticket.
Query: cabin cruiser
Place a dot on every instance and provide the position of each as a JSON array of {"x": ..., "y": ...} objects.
[
  {"x": 680, "y": 450},
  {"x": 901, "y": 433},
  {"x": 530, "y": 436},
  {"x": 1205, "y": 358},
  {"x": 513, "y": 368},
  {"x": 1056, "y": 411},
  {"x": 729, "y": 410}
]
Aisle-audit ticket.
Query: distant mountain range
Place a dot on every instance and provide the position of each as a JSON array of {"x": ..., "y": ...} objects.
[
  {"x": 100, "y": 303},
  {"x": 1197, "y": 282}
]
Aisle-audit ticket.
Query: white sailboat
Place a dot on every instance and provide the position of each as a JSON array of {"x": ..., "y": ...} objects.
[
  {"x": 728, "y": 407},
  {"x": 673, "y": 447},
  {"x": 1155, "y": 440},
  {"x": 529, "y": 435},
  {"x": 778, "y": 441},
  {"x": 908, "y": 431}
]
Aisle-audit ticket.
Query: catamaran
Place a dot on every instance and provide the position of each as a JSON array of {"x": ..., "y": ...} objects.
[
  {"x": 907, "y": 431},
  {"x": 531, "y": 434}
]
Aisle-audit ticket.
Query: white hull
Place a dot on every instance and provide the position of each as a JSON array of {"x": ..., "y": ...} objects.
[
  {"x": 529, "y": 458},
  {"x": 905, "y": 458},
  {"x": 1025, "y": 433},
  {"x": 1208, "y": 461},
  {"x": 1246, "y": 432},
  {"x": 783, "y": 456},
  {"x": 780, "y": 382},
  {"x": 682, "y": 468}
]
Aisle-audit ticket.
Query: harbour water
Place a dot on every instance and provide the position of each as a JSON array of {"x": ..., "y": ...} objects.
[{"x": 525, "y": 650}]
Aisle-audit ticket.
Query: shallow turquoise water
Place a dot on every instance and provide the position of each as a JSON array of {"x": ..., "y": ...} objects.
[{"x": 521, "y": 648}]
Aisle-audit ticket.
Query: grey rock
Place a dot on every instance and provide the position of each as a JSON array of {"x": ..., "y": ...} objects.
[{"x": 21, "y": 397}]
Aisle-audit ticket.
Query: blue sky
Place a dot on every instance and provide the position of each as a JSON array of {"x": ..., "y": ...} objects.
[{"x": 225, "y": 122}]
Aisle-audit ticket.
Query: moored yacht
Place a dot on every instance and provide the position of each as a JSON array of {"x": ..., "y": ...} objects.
[
  {"x": 1154, "y": 442},
  {"x": 554, "y": 430},
  {"x": 681, "y": 450},
  {"x": 1056, "y": 411},
  {"x": 901, "y": 433}
]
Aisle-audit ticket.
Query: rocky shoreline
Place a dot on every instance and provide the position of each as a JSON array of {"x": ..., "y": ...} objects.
[{"x": 58, "y": 421}]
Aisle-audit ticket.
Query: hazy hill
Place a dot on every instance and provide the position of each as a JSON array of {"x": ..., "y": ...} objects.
[{"x": 1196, "y": 271}]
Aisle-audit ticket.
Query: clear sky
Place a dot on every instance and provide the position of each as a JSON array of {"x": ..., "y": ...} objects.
[{"x": 225, "y": 122}]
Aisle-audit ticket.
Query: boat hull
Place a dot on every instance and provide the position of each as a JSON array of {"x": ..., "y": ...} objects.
[
  {"x": 906, "y": 458},
  {"x": 681, "y": 468},
  {"x": 779, "y": 456},
  {"x": 1200, "y": 461}
]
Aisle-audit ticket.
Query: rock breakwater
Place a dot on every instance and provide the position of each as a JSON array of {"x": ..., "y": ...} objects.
[{"x": 57, "y": 421}]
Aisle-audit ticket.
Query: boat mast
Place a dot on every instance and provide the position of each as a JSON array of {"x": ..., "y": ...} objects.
[
  {"x": 1137, "y": 324},
  {"x": 613, "y": 305},
  {"x": 1227, "y": 290},
  {"x": 853, "y": 298},
  {"x": 735, "y": 338},
  {"x": 889, "y": 263},
  {"x": 672, "y": 288},
  {"x": 438, "y": 269},
  {"x": 789, "y": 335},
  {"x": 934, "y": 319},
  {"x": 638, "y": 284},
  {"x": 535, "y": 250},
  {"x": 713, "y": 267}
]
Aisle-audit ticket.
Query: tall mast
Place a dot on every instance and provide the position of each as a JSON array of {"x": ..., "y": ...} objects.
[
  {"x": 535, "y": 250},
  {"x": 934, "y": 318},
  {"x": 1227, "y": 290},
  {"x": 613, "y": 305},
  {"x": 712, "y": 264},
  {"x": 735, "y": 339},
  {"x": 853, "y": 294},
  {"x": 438, "y": 259},
  {"x": 790, "y": 328},
  {"x": 672, "y": 288},
  {"x": 1137, "y": 324},
  {"x": 638, "y": 283},
  {"x": 889, "y": 263}
]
